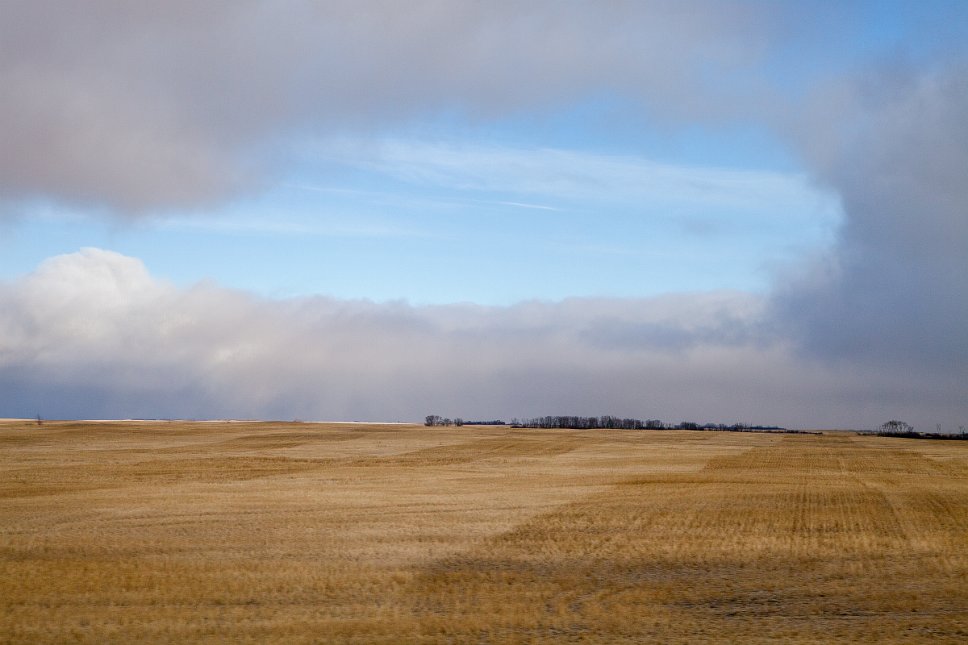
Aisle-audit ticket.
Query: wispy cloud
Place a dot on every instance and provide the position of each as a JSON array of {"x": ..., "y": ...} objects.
[
  {"x": 540, "y": 207},
  {"x": 324, "y": 225},
  {"x": 557, "y": 176}
]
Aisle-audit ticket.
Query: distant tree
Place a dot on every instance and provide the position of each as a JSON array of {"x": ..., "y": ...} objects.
[
  {"x": 458, "y": 421},
  {"x": 896, "y": 427},
  {"x": 432, "y": 420}
]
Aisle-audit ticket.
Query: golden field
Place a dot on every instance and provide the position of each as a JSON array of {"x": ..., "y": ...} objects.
[{"x": 336, "y": 533}]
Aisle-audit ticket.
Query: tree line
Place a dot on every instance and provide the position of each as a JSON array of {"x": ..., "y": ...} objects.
[
  {"x": 606, "y": 422},
  {"x": 902, "y": 429},
  {"x": 588, "y": 423},
  {"x": 622, "y": 423},
  {"x": 437, "y": 420}
]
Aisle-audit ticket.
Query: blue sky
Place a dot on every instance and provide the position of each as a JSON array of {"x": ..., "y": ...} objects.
[
  {"x": 437, "y": 222},
  {"x": 724, "y": 179}
]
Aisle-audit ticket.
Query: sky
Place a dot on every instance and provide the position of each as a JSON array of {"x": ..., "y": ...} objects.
[{"x": 711, "y": 211}]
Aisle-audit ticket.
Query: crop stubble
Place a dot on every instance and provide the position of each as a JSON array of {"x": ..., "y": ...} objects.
[{"x": 174, "y": 532}]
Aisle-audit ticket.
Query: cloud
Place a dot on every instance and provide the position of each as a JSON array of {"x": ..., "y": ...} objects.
[
  {"x": 93, "y": 334},
  {"x": 576, "y": 177},
  {"x": 893, "y": 291},
  {"x": 145, "y": 106}
]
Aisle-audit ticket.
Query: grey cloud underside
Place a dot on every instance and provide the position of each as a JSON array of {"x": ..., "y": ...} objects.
[
  {"x": 93, "y": 334},
  {"x": 141, "y": 106},
  {"x": 894, "y": 289}
]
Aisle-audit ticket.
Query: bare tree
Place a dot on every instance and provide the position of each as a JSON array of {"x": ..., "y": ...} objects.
[{"x": 896, "y": 427}]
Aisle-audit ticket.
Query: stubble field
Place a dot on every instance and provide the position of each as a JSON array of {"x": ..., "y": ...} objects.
[{"x": 330, "y": 533}]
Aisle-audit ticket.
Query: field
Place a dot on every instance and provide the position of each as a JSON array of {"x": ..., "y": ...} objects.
[{"x": 272, "y": 532}]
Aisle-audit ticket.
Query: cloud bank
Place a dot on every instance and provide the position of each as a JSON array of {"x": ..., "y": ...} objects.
[
  {"x": 93, "y": 334},
  {"x": 893, "y": 291},
  {"x": 144, "y": 106}
]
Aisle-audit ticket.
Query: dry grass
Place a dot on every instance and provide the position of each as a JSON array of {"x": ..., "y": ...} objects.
[{"x": 175, "y": 532}]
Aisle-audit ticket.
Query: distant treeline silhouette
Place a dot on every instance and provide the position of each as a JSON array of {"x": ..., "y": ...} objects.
[
  {"x": 608, "y": 422},
  {"x": 903, "y": 430},
  {"x": 620, "y": 423},
  {"x": 921, "y": 435}
]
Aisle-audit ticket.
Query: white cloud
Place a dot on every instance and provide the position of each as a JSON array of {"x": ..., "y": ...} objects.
[{"x": 91, "y": 334}]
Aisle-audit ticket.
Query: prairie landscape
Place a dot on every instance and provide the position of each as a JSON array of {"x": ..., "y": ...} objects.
[{"x": 171, "y": 532}]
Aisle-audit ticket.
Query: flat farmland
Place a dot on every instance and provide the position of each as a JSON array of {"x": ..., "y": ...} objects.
[{"x": 170, "y": 532}]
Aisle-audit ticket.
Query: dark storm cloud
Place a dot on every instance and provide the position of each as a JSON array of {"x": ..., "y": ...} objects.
[{"x": 893, "y": 291}]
